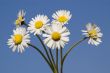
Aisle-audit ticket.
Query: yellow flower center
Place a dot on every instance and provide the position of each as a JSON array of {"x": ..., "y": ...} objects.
[
  {"x": 18, "y": 39},
  {"x": 38, "y": 24},
  {"x": 92, "y": 33},
  {"x": 62, "y": 19},
  {"x": 56, "y": 36},
  {"x": 19, "y": 20}
]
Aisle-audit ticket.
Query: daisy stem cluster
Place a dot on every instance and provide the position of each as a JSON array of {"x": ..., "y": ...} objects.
[
  {"x": 56, "y": 35},
  {"x": 50, "y": 59}
]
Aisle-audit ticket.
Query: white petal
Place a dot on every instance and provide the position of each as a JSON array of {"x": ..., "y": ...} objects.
[
  {"x": 99, "y": 40},
  {"x": 89, "y": 41},
  {"x": 47, "y": 40},
  {"x": 89, "y": 26},
  {"x": 65, "y": 34},
  {"x": 45, "y": 35},
  {"x": 50, "y": 43},
  {"x": 84, "y": 30},
  {"x": 14, "y": 48},
  {"x": 99, "y": 34},
  {"x": 96, "y": 43},
  {"x": 98, "y": 29},
  {"x": 65, "y": 39},
  {"x": 58, "y": 45}
]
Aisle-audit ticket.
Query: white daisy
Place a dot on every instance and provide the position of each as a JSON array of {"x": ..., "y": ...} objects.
[
  {"x": 19, "y": 40},
  {"x": 56, "y": 36},
  {"x": 62, "y": 17},
  {"x": 94, "y": 34},
  {"x": 38, "y": 24},
  {"x": 19, "y": 21}
]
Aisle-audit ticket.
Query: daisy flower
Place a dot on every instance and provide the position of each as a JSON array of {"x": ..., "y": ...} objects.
[
  {"x": 19, "y": 21},
  {"x": 56, "y": 36},
  {"x": 19, "y": 40},
  {"x": 38, "y": 24},
  {"x": 62, "y": 17},
  {"x": 94, "y": 34}
]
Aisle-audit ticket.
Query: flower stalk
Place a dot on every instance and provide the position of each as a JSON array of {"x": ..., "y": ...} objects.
[
  {"x": 41, "y": 53},
  {"x": 44, "y": 48},
  {"x": 61, "y": 58},
  {"x": 73, "y": 46},
  {"x": 57, "y": 60},
  {"x": 52, "y": 57}
]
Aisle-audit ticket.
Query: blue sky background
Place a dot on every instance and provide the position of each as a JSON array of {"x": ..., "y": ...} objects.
[{"x": 83, "y": 59}]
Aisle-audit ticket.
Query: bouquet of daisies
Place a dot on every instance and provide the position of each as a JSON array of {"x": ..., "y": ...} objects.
[{"x": 55, "y": 34}]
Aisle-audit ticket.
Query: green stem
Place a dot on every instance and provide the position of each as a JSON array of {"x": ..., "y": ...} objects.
[
  {"x": 74, "y": 45},
  {"x": 52, "y": 57},
  {"x": 53, "y": 62},
  {"x": 42, "y": 55},
  {"x": 57, "y": 60},
  {"x": 61, "y": 57},
  {"x": 44, "y": 48}
]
